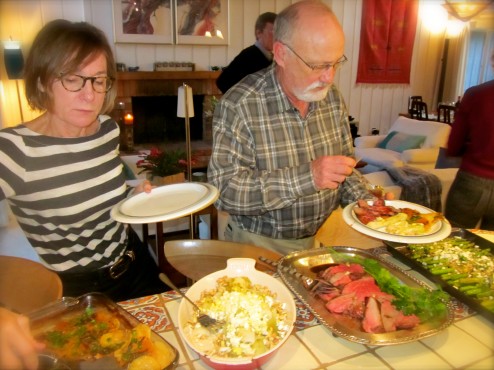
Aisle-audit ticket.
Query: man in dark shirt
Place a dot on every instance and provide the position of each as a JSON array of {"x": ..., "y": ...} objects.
[{"x": 253, "y": 58}]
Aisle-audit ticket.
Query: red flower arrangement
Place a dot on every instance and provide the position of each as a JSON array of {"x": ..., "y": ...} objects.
[{"x": 164, "y": 163}]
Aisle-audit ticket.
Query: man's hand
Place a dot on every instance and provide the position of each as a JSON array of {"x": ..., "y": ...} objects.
[{"x": 330, "y": 171}]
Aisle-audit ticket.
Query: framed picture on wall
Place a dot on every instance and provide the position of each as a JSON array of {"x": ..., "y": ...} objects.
[
  {"x": 141, "y": 21},
  {"x": 201, "y": 22}
]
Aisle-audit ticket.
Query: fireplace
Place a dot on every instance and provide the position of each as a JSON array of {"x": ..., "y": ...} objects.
[
  {"x": 151, "y": 97},
  {"x": 156, "y": 121}
]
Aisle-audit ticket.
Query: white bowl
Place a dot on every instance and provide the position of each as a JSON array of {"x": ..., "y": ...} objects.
[{"x": 237, "y": 267}]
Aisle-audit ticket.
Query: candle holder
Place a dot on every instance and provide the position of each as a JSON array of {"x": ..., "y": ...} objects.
[{"x": 128, "y": 132}]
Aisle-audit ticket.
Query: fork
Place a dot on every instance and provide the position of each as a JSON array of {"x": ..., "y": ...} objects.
[
  {"x": 204, "y": 319},
  {"x": 375, "y": 190},
  {"x": 308, "y": 282}
]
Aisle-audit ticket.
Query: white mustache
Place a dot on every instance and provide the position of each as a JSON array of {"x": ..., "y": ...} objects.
[{"x": 309, "y": 95}]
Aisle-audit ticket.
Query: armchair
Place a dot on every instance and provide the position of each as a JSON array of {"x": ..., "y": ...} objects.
[{"x": 409, "y": 142}]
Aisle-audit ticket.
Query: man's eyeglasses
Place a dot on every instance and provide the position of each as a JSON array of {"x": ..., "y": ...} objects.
[
  {"x": 323, "y": 66},
  {"x": 73, "y": 82}
]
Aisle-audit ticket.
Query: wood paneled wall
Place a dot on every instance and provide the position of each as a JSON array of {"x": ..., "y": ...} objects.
[{"x": 374, "y": 106}]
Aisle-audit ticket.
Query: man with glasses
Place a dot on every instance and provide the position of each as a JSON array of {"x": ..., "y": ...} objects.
[{"x": 283, "y": 156}]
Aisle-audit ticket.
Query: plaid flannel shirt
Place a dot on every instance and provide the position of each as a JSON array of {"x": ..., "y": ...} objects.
[{"x": 262, "y": 150}]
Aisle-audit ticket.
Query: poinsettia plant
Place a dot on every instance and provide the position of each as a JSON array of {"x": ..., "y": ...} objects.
[{"x": 163, "y": 163}]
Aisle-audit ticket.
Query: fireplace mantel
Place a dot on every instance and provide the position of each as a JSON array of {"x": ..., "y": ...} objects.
[{"x": 164, "y": 83}]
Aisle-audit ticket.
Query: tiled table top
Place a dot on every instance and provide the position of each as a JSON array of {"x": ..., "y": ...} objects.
[{"x": 467, "y": 344}]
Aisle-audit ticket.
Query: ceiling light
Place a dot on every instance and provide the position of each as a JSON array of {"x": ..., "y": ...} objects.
[{"x": 465, "y": 10}]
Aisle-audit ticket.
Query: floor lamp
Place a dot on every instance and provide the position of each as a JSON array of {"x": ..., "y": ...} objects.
[
  {"x": 14, "y": 64},
  {"x": 185, "y": 109}
]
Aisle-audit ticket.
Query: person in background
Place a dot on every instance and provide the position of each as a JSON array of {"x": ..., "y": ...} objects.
[
  {"x": 282, "y": 156},
  {"x": 61, "y": 174},
  {"x": 253, "y": 58},
  {"x": 471, "y": 197}
]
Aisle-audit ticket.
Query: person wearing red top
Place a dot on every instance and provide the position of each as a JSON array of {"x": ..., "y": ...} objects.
[{"x": 471, "y": 198}]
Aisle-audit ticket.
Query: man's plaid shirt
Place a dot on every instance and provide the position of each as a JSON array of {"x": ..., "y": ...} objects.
[{"x": 262, "y": 149}]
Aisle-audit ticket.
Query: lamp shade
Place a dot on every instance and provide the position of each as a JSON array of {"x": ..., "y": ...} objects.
[
  {"x": 181, "y": 102},
  {"x": 14, "y": 61}
]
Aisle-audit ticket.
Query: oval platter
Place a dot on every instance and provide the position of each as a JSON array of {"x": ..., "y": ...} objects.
[{"x": 305, "y": 262}]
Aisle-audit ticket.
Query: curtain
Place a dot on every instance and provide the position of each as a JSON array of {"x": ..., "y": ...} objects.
[{"x": 386, "y": 41}]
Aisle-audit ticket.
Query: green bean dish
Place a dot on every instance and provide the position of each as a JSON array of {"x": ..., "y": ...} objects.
[{"x": 462, "y": 264}]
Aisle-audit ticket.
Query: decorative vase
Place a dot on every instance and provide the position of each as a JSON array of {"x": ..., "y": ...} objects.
[{"x": 167, "y": 180}]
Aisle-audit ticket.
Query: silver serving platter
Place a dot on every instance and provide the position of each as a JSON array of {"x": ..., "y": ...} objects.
[{"x": 309, "y": 262}]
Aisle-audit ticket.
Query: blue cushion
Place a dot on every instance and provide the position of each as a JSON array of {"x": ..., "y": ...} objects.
[{"x": 399, "y": 141}]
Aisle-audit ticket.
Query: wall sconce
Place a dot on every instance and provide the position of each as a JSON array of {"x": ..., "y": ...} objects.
[
  {"x": 14, "y": 65},
  {"x": 14, "y": 61}
]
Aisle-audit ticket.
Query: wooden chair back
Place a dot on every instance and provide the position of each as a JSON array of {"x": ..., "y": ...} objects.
[
  {"x": 411, "y": 101},
  {"x": 26, "y": 285},
  {"x": 445, "y": 113},
  {"x": 419, "y": 111}
]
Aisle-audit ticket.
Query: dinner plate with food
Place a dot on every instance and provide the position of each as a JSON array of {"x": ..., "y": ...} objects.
[{"x": 396, "y": 221}]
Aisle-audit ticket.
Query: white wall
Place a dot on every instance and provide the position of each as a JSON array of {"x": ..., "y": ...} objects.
[{"x": 373, "y": 105}]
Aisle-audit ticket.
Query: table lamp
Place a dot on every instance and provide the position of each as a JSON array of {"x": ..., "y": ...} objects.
[{"x": 185, "y": 109}]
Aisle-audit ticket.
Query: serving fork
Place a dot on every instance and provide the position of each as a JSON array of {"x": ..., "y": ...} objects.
[
  {"x": 309, "y": 283},
  {"x": 203, "y": 318}
]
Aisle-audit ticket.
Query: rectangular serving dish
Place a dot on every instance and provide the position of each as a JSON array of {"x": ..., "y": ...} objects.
[
  {"x": 44, "y": 320},
  {"x": 307, "y": 263},
  {"x": 401, "y": 252}
]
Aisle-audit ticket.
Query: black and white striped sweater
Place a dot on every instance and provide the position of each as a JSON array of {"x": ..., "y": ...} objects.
[{"x": 61, "y": 191}]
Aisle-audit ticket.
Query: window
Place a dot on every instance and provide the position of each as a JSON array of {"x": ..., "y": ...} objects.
[{"x": 478, "y": 68}]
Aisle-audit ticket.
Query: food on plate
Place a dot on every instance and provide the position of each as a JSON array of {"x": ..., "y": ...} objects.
[
  {"x": 252, "y": 320},
  {"x": 400, "y": 221},
  {"x": 97, "y": 332},
  {"x": 369, "y": 293},
  {"x": 462, "y": 264}
]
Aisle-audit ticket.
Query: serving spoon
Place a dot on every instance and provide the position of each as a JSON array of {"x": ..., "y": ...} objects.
[{"x": 204, "y": 319}]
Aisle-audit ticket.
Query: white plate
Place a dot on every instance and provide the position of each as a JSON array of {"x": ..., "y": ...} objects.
[
  {"x": 438, "y": 232},
  {"x": 165, "y": 203}
]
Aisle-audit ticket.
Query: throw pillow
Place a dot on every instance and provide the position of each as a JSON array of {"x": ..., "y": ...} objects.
[{"x": 399, "y": 141}]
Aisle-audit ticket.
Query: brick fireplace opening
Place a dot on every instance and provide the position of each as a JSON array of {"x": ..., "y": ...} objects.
[
  {"x": 156, "y": 121},
  {"x": 151, "y": 97}
]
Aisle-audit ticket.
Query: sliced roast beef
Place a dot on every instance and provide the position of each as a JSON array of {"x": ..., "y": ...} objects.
[
  {"x": 347, "y": 304},
  {"x": 348, "y": 290},
  {"x": 372, "y": 322},
  {"x": 407, "y": 321},
  {"x": 362, "y": 288},
  {"x": 394, "y": 319},
  {"x": 342, "y": 274},
  {"x": 327, "y": 295}
]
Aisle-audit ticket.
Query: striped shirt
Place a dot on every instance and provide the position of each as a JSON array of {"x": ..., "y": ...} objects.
[
  {"x": 262, "y": 150},
  {"x": 61, "y": 191}
]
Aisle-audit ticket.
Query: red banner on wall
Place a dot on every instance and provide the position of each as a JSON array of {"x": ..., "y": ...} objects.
[{"x": 386, "y": 41}]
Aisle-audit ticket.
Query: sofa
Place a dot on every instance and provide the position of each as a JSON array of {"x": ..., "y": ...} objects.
[{"x": 409, "y": 142}]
